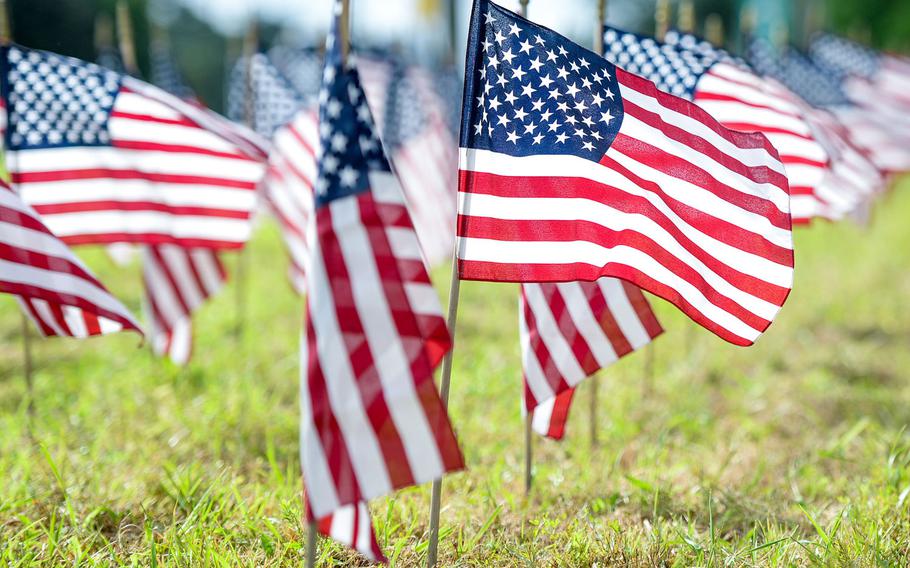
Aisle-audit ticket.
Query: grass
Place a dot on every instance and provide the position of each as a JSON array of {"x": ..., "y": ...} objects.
[{"x": 793, "y": 452}]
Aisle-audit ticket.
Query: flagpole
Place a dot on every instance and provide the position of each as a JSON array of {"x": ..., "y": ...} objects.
[
  {"x": 126, "y": 43},
  {"x": 594, "y": 397},
  {"x": 685, "y": 16},
  {"x": 250, "y": 47},
  {"x": 311, "y": 538},
  {"x": 661, "y": 19}
]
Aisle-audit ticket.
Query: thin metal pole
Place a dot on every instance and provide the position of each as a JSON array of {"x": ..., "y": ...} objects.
[
  {"x": 661, "y": 18},
  {"x": 311, "y": 538},
  {"x": 125, "y": 38},
  {"x": 344, "y": 29},
  {"x": 451, "y": 317},
  {"x": 685, "y": 17},
  {"x": 714, "y": 29},
  {"x": 599, "y": 27},
  {"x": 595, "y": 403},
  {"x": 6, "y": 34},
  {"x": 529, "y": 456}
]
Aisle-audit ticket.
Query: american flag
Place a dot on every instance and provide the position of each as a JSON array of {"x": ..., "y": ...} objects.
[
  {"x": 868, "y": 129},
  {"x": 571, "y": 330},
  {"x": 53, "y": 287},
  {"x": 107, "y": 158},
  {"x": 845, "y": 185},
  {"x": 573, "y": 169},
  {"x": 738, "y": 98},
  {"x": 371, "y": 417}
]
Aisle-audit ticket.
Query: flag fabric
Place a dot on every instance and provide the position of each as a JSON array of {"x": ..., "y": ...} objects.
[
  {"x": 165, "y": 72},
  {"x": 177, "y": 280},
  {"x": 846, "y": 181},
  {"x": 106, "y": 158},
  {"x": 573, "y": 169},
  {"x": 352, "y": 526},
  {"x": 58, "y": 293},
  {"x": 880, "y": 139},
  {"x": 571, "y": 330},
  {"x": 738, "y": 98},
  {"x": 371, "y": 417},
  {"x": 287, "y": 188}
]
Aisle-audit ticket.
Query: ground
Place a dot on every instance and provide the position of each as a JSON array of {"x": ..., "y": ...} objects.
[{"x": 792, "y": 452}]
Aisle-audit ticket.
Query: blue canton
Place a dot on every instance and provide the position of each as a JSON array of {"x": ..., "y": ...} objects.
[
  {"x": 798, "y": 73},
  {"x": 844, "y": 57},
  {"x": 531, "y": 91},
  {"x": 55, "y": 101},
  {"x": 275, "y": 100},
  {"x": 674, "y": 70},
  {"x": 350, "y": 147}
]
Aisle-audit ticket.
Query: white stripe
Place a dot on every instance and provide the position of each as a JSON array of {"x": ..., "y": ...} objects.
[
  {"x": 543, "y": 413},
  {"x": 106, "y": 189},
  {"x": 626, "y": 317},
  {"x": 137, "y": 222},
  {"x": 389, "y": 357},
  {"x": 534, "y": 376},
  {"x": 588, "y": 326},
  {"x": 561, "y": 353}
]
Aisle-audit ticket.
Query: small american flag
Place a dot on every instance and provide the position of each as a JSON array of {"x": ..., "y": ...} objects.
[
  {"x": 570, "y": 331},
  {"x": 371, "y": 417},
  {"x": 573, "y": 169},
  {"x": 53, "y": 287},
  {"x": 738, "y": 98},
  {"x": 106, "y": 158}
]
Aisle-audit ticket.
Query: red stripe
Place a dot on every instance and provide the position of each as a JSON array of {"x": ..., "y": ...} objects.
[
  {"x": 57, "y": 297},
  {"x": 29, "y": 306},
  {"x": 601, "y": 311},
  {"x": 117, "y": 174},
  {"x": 49, "y": 263},
  {"x": 701, "y": 95},
  {"x": 560, "y": 415},
  {"x": 643, "y": 310},
  {"x": 138, "y": 206},
  {"x": 149, "y": 239},
  {"x": 181, "y": 121},
  {"x": 576, "y": 341},
  {"x": 541, "y": 352},
  {"x": 179, "y": 149}
]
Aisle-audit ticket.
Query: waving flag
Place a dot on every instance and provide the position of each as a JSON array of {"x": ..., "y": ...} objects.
[
  {"x": 573, "y": 169},
  {"x": 54, "y": 288},
  {"x": 879, "y": 136},
  {"x": 738, "y": 98},
  {"x": 106, "y": 158},
  {"x": 569, "y": 331},
  {"x": 371, "y": 417}
]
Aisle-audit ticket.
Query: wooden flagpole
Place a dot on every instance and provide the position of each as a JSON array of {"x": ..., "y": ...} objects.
[
  {"x": 6, "y": 37},
  {"x": 714, "y": 29},
  {"x": 594, "y": 396},
  {"x": 344, "y": 35},
  {"x": 685, "y": 17},
  {"x": 241, "y": 274},
  {"x": 126, "y": 42},
  {"x": 661, "y": 19}
]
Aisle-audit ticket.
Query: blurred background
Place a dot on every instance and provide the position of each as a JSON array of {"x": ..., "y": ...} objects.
[{"x": 205, "y": 37}]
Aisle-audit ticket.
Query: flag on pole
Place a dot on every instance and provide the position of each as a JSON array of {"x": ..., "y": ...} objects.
[
  {"x": 106, "y": 158},
  {"x": 371, "y": 417},
  {"x": 573, "y": 169},
  {"x": 58, "y": 293},
  {"x": 738, "y": 98},
  {"x": 846, "y": 182},
  {"x": 571, "y": 330}
]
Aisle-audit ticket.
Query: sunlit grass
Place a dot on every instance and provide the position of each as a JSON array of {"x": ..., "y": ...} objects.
[{"x": 792, "y": 452}]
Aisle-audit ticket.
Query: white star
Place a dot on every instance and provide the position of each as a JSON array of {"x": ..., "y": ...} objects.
[
  {"x": 339, "y": 142},
  {"x": 502, "y": 81},
  {"x": 536, "y": 64},
  {"x": 480, "y": 100},
  {"x": 487, "y": 88},
  {"x": 333, "y": 108},
  {"x": 606, "y": 117},
  {"x": 562, "y": 51},
  {"x": 588, "y": 146},
  {"x": 348, "y": 176},
  {"x": 530, "y": 128},
  {"x": 514, "y": 29},
  {"x": 499, "y": 37},
  {"x": 545, "y": 82},
  {"x": 551, "y": 55},
  {"x": 483, "y": 73},
  {"x": 584, "y": 63},
  {"x": 478, "y": 128},
  {"x": 487, "y": 44},
  {"x": 596, "y": 78},
  {"x": 586, "y": 83},
  {"x": 520, "y": 113},
  {"x": 575, "y": 67},
  {"x": 538, "y": 138},
  {"x": 597, "y": 99},
  {"x": 537, "y": 105},
  {"x": 489, "y": 18},
  {"x": 545, "y": 115},
  {"x": 562, "y": 106},
  {"x": 519, "y": 73},
  {"x": 606, "y": 76},
  {"x": 596, "y": 135},
  {"x": 572, "y": 90},
  {"x": 563, "y": 73},
  {"x": 363, "y": 112},
  {"x": 508, "y": 56},
  {"x": 539, "y": 40},
  {"x": 527, "y": 90},
  {"x": 610, "y": 94},
  {"x": 579, "y": 133},
  {"x": 588, "y": 121},
  {"x": 512, "y": 137},
  {"x": 580, "y": 106},
  {"x": 553, "y": 126},
  {"x": 511, "y": 98},
  {"x": 504, "y": 120},
  {"x": 330, "y": 163},
  {"x": 561, "y": 138},
  {"x": 492, "y": 61},
  {"x": 494, "y": 104},
  {"x": 554, "y": 93},
  {"x": 571, "y": 120},
  {"x": 526, "y": 47}
]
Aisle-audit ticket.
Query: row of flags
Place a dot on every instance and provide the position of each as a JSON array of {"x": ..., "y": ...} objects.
[{"x": 666, "y": 166}]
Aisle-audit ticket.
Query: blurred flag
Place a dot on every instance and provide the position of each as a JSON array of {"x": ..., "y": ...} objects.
[
  {"x": 106, "y": 158},
  {"x": 738, "y": 98},
  {"x": 840, "y": 190},
  {"x": 165, "y": 73},
  {"x": 573, "y": 169},
  {"x": 571, "y": 330},
  {"x": 881, "y": 139},
  {"x": 371, "y": 417},
  {"x": 53, "y": 287}
]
